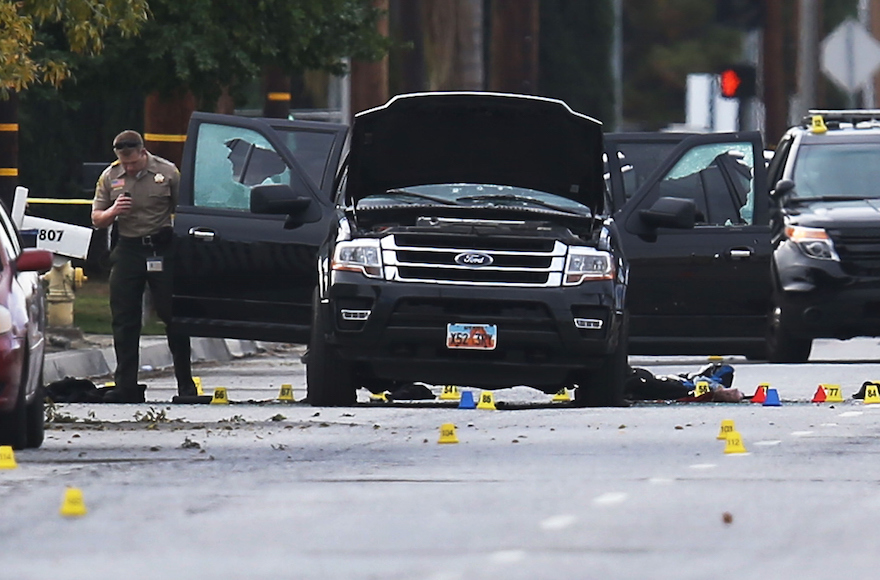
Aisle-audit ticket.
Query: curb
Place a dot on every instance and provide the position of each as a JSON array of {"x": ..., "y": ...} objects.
[{"x": 154, "y": 355}]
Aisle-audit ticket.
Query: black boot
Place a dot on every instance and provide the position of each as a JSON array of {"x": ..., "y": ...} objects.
[
  {"x": 126, "y": 395},
  {"x": 187, "y": 389}
]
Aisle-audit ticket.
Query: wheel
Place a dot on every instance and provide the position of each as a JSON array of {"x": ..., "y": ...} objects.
[
  {"x": 782, "y": 347},
  {"x": 13, "y": 425},
  {"x": 36, "y": 416},
  {"x": 604, "y": 387},
  {"x": 330, "y": 381}
]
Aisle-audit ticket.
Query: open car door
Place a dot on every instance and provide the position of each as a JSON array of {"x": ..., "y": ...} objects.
[
  {"x": 694, "y": 218},
  {"x": 239, "y": 274}
]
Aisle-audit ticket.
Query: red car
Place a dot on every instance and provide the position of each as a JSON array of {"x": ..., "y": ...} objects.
[{"x": 22, "y": 338}]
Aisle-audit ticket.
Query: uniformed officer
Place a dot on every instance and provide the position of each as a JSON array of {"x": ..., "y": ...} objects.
[{"x": 138, "y": 192}]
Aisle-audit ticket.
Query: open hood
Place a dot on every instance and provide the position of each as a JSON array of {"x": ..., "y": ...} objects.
[{"x": 492, "y": 138}]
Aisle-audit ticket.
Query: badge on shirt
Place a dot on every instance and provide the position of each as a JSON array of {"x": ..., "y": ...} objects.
[
  {"x": 154, "y": 264},
  {"x": 159, "y": 178}
]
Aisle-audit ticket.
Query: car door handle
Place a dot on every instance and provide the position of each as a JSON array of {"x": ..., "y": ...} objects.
[
  {"x": 202, "y": 234},
  {"x": 741, "y": 253}
]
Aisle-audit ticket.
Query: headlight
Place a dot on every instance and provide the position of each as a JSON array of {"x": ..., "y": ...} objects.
[
  {"x": 814, "y": 242},
  {"x": 362, "y": 256},
  {"x": 587, "y": 264}
]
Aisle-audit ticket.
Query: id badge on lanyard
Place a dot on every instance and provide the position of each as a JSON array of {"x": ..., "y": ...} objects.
[{"x": 154, "y": 264}]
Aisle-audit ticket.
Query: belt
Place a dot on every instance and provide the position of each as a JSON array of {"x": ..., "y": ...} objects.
[{"x": 159, "y": 238}]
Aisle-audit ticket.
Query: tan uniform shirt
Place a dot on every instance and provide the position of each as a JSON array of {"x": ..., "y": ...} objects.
[{"x": 153, "y": 196}]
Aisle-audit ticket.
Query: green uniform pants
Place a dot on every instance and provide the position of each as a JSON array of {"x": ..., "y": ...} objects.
[{"x": 128, "y": 278}]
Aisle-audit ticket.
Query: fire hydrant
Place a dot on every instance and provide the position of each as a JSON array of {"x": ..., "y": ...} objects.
[{"x": 62, "y": 280}]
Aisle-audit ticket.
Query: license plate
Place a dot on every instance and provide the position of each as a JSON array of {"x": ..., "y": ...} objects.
[{"x": 473, "y": 336}]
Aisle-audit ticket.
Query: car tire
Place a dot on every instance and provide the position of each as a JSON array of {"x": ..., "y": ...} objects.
[
  {"x": 36, "y": 417},
  {"x": 13, "y": 425},
  {"x": 329, "y": 378},
  {"x": 782, "y": 347},
  {"x": 604, "y": 386}
]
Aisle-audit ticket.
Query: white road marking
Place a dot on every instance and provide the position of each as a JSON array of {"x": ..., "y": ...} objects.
[
  {"x": 768, "y": 443},
  {"x": 704, "y": 465},
  {"x": 558, "y": 522},
  {"x": 507, "y": 556},
  {"x": 610, "y": 498},
  {"x": 801, "y": 433}
]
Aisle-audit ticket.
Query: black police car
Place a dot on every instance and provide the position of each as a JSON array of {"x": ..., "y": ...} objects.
[{"x": 826, "y": 260}]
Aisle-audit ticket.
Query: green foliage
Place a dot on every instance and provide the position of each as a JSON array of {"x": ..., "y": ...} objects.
[
  {"x": 83, "y": 24},
  {"x": 208, "y": 45}
]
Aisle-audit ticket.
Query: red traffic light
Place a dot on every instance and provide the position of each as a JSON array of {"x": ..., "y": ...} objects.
[
  {"x": 737, "y": 81},
  {"x": 730, "y": 83}
]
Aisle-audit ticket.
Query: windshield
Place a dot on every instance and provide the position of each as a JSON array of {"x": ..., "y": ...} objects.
[
  {"x": 838, "y": 170},
  {"x": 474, "y": 195}
]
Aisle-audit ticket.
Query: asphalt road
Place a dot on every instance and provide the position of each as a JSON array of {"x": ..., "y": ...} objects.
[{"x": 261, "y": 489}]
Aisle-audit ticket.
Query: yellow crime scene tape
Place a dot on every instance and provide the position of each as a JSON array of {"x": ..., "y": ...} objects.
[
  {"x": 278, "y": 96},
  {"x": 8, "y": 172},
  {"x": 59, "y": 201},
  {"x": 164, "y": 137}
]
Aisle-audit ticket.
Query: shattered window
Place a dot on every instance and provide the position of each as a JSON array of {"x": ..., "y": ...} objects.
[
  {"x": 720, "y": 180},
  {"x": 229, "y": 161}
]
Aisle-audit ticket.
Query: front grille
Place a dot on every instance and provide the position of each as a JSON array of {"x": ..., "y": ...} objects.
[
  {"x": 859, "y": 250},
  {"x": 515, "y": 260},
  {"x": 438, "y": 312}
]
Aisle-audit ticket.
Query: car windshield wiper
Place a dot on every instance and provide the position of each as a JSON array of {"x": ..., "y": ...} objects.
[
  {"x": 421, "y": 196},
  {"x": 799, "y": 200},
  {"x": 508, "y": 197}
]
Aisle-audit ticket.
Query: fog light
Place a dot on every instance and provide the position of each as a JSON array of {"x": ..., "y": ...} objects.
[
  {"x": 355, "y": 314},
  {"x": 588, "y": 323}
]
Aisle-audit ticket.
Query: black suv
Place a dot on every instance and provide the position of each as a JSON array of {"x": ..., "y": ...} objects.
[
  {"x": 826, "y": 259},
  {"x": 469, "y": 248}
]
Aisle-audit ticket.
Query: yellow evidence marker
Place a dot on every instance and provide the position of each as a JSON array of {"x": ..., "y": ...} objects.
[
  {"x": 220, "y": 396},
  {"x": 73, "y": 504},
  {"x": 286, "y": 393},
  {"x": 450, "y": 393},
  {"x": 734, "y": 443},
  {"x": 447, "y": 433},
  {"x": 487, "y": 401},
  {"x": 726, "y": 429}
]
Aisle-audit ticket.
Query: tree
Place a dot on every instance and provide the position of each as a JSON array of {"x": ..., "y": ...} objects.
[
  {"x": 207, "y": 46},
  {"x": 84, "y": 23}
]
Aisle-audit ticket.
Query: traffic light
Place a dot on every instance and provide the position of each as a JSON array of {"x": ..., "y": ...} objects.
[{"x": 737, "y": 81}]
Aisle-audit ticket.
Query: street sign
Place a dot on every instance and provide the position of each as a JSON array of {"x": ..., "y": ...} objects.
[{"x": 850, "y": 56}]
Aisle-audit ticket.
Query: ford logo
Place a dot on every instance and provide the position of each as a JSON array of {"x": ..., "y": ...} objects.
[{"x": 475, "y": 259}]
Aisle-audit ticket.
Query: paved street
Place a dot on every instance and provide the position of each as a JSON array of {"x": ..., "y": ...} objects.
[{"x": 268, "y": 490}]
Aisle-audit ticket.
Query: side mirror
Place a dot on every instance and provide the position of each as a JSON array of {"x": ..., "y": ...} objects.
[
  {"x": 670, "y": 212},
  {"x": 34, "y": 260},
  {"x": 277, "y": 199},
  {"x": 783, "y": 188},
  {"x": 280, "y": 199}
]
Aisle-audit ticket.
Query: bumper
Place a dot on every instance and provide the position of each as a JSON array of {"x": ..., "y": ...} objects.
[
  {"x": 10, "y": 375},
  {"x": 820, "y": 300},
  {"x": 403, "y": 337}
]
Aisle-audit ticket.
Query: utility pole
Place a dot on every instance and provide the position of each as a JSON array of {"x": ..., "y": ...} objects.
[
  {"x": 276, "y": 91},
  {"x": 369, "y": 80},
  {"x": 774, "y": 93},
  {"x": 8, "y": 148},
  {"x": 514, "y": 46},
  {"x": 166, "y": 119},
  {"x": 808, "y": 58}
]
